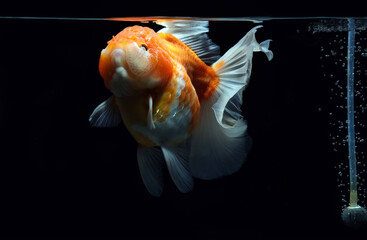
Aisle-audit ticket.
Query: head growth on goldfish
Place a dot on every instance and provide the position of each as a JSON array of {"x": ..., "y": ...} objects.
[{"x": 136, "y": 55}]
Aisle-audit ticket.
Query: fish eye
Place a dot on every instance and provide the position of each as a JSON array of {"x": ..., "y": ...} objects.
[{"x": 144, "y": 46}]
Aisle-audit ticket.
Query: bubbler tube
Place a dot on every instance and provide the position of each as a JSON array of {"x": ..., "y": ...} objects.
[{"x": 353, "y": 215}]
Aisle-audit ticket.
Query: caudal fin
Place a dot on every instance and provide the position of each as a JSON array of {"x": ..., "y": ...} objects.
[{"x": 220, "y": 144}]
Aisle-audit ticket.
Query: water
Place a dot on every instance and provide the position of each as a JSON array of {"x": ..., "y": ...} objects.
[{"x": 61, "y": 177}]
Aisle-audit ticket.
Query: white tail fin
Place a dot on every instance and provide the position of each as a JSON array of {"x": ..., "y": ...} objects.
[{"x": 220, "y": 143}]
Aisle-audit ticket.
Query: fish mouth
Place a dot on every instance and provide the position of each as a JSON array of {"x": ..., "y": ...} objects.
[
  {"x": 121, "y": 83},
  {"x": 118, "y": 56},
  {"x": 132, "y": 71}
]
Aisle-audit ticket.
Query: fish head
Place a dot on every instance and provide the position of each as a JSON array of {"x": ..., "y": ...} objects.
[{"x": 134, "y": 60}]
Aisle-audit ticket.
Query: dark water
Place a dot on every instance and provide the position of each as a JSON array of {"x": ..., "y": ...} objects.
[{"x": 62, "y": 178}]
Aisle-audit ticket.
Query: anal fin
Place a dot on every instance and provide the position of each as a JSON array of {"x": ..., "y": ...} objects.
[
  {"x": 177, "y": 157},
  {"x": 150, "y": 161}
]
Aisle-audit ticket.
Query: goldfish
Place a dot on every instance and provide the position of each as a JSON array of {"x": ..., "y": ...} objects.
[{"x": 179, "y": 99}]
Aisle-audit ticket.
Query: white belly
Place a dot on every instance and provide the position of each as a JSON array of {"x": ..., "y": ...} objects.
[{"x": 175, "y": 127}]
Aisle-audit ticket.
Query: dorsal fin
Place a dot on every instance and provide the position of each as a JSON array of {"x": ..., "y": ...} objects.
[{"x": 193, "y": 34}]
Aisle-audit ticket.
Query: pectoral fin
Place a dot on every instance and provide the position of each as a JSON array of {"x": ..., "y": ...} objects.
[
  {"x": 106, "y": 114},
  {"x": 150, "y": 122}
]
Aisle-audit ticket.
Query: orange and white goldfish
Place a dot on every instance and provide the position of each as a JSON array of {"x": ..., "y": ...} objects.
[{"x": 179, "y": 99}]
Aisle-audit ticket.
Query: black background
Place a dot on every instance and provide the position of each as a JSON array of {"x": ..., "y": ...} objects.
[{"x": 61, "y": 178}]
